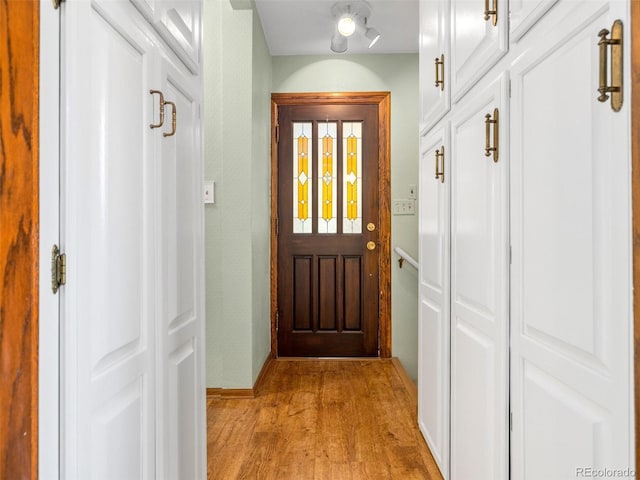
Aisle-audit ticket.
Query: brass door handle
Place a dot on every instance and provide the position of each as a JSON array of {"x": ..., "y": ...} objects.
[
  {"x": 371, "y": 245},
  {"x": 440, "y": 161},
  {"x": 493, "y": 13},
  {"x": 488, "y": 121},
  {"x": 440, "y": 72},
  {"x": 162, "y": 103},
  {"x": 173, "y": 119},
  {"x": 615, "y": 89}
]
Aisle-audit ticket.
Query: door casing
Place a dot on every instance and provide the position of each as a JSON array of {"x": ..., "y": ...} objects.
[{"x": 383, "y": 101}]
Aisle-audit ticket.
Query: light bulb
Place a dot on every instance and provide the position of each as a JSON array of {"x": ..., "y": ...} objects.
[{"x": 346, "y": 26}]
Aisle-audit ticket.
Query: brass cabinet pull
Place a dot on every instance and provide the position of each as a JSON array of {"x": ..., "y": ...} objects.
[
  {"x": 488, "y": 121},
  {"x": 162, "y": 103},
  {"x": 440, "y": 161},
  {"x": 491, "y": 13},
  {"x": 173, "y": 119},
  {"x": 615, "y": 89},
  {"x": 440, "y": 72}
]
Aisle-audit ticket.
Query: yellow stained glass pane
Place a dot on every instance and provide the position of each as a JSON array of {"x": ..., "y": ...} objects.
[
  {"x": 302, "y": 168},
  {"x": 352, "y": 177},
  {"x": 327, "y": 183}
]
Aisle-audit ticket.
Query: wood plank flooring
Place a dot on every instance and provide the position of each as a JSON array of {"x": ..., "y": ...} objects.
[{"x": 320, "y": 419}]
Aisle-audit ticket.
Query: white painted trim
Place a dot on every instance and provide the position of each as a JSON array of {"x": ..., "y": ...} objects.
[{"x": 48, "y": 358}]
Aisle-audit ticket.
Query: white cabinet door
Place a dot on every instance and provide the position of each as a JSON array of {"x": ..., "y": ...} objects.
[
  {"x": 182, "y": 447},
  {"x": 524, "y": 14},
  {"x": 479, "y": 288},
  {"x": 179, "y": 23},
  {"x": 435, "y": 86},
  {"x": 433, "y": 324},
  {"x": 108, "y": 233},
  {"x": 476, "y": 44},
  {"x": 571, "y": 285}
]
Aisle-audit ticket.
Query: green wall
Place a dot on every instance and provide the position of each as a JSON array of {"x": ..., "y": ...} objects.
[
  {"x": 399, "y": 75},
  {"x": 239, "y": 75},
  {"x": 237, "y": 80}
]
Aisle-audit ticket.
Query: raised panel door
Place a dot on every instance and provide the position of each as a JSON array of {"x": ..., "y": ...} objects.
[
  {"x": 476, "y": 44},
  {"x": 435, "y": 86},
  {"x": 179, "y": 23},
  {"x": 524, "y": 14},
  {"x": 479, "y": 287},
  {"x": 181, "y": 408},
  {"x": 108, "y": 233},
  {"x": 434, "y": 275},
  {"x": 571, "y": 239}
]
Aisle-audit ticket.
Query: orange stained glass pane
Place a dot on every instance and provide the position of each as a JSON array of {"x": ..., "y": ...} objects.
[
  {"x": 352, "y": 176},
  {"x": 303, "y": 176},
  {"x": 327, "y": 177}
]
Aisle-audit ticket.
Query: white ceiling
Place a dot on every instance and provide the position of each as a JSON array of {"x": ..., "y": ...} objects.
[{"x": 305, "y": 27}]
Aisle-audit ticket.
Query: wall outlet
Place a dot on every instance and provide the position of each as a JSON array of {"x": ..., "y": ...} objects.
[{"x": 403, "y": 206}]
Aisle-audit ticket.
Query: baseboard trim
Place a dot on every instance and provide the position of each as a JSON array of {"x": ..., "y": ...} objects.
[
  {"x": 244, "y": 392},
  {"x": 409, "y": 384}
]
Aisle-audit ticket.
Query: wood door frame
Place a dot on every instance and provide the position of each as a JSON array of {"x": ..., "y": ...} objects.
[
  {"x": 19, "y": 249},
  {"x": 383, "y": 101},
  {"x": 634, "y": 32}
]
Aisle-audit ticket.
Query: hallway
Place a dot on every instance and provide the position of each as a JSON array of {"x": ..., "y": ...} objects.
[{"x": 320, "y": 419}]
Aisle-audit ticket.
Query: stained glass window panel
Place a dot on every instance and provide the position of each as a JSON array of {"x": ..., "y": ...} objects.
[
  {"x": 352, "y": 177},
  {"x": 302, "y": 168},
  {"x": 327, "y": 177}
]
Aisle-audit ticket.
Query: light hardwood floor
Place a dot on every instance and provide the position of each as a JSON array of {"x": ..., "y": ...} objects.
[{"x": 320, "y": 419}]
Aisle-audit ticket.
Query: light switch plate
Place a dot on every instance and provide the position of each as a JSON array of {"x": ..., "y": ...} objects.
[
  {"x": 209, "y": 192},
  {"x": 413, "y": 192},
  {"x": 403, "y": 206}
]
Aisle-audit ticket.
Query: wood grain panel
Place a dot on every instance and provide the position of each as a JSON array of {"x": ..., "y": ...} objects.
[
  {"x": 302, "y": 295},
  {"x": 327, "y": 269},
  {"x": 352, "y": 293},
  {"x": 635, "y": 156},
  {"x": 274, "y": 230},
  {"x": 19, "y": 50},
  {"x": 384, "y": 112}
]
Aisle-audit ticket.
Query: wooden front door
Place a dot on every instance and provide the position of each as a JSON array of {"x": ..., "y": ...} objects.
[{"x": 328, "y": 230}]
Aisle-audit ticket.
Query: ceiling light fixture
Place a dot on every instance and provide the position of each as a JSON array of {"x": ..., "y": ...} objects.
[
  {"x": 351, "y": 17},
  {"x": 373, "y": 35}
]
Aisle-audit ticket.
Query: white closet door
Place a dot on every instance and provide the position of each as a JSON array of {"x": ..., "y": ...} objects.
[
  {"x": 479, "y": 289},
  {"x": 433, "y": 325},
  {"x": 181, "y": 410},
  {"x": 435, "y": 99},
  {"x": 179, "y": 23},
  {"x": 108, "y": 234},
  {"x": 524, "y": 14},
  {"x": 476, "y": 44},
  {"x": 571, "y": 274}
]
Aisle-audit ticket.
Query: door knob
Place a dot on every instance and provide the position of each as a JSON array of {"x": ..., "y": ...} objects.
[{"x": 371, "y": 245}]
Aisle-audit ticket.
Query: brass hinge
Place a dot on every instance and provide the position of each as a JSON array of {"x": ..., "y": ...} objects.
[
  {"x": 277, "y": 319},
  {"x": 56, "y": 4},
  {"x": 277, "y": 133},
  {"x": 58, "y": 269},
  {"x": 277, "y": 227}
]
